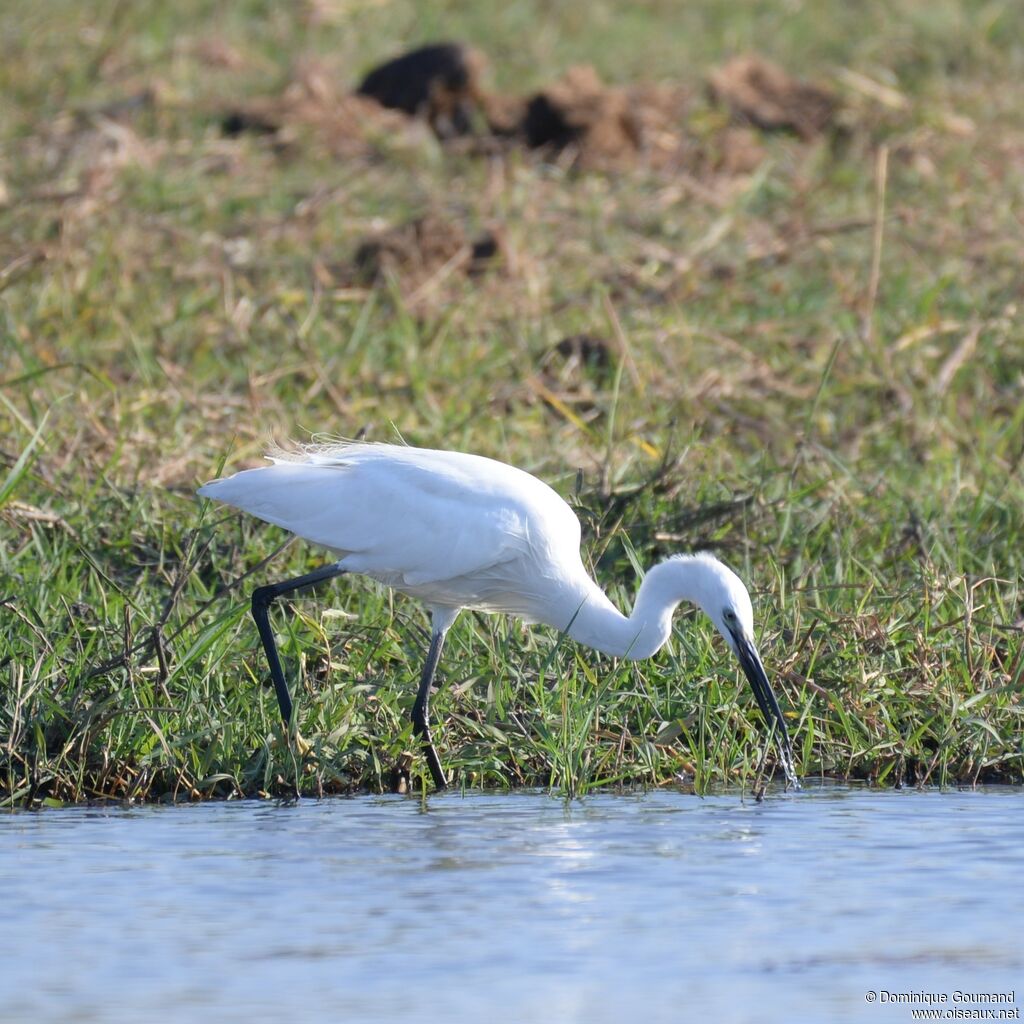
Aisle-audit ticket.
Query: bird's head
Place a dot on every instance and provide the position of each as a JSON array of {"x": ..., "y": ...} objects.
[{"x": 721, "y": 595}]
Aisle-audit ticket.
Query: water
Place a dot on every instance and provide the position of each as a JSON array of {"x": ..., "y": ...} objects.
[{"x": 518, "y": 907}]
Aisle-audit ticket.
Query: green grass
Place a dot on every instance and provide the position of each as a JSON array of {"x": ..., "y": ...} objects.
[{"x": 170, "y": 300}]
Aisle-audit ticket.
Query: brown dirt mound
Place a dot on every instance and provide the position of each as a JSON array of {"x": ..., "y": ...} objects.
[
  {"x": 427, "y": 247},
  {"x": 762, "y": 93},
  {"x": 350, "y": 126},
  {"x": 347, "y": 123},
  {"x": 659, "y": 114},
  {"x": 440, "y": 83},
  {"x": 595, "y": 125},
  {"x": 503, "y": 113},
  {"x": 733, "y": 151},
  {"x": 580, "y": 111},
  {"x": 647, "y": 124}
]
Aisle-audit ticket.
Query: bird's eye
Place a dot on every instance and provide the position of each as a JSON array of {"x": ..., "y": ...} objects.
[{"x": 729, "y": 615}]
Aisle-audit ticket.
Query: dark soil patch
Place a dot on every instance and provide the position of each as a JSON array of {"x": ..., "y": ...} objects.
[
  {"x": 440, "y": 83},
  {"x": 569, "y": 373},
  {"x": 585, "y": 350},
  {"x": 243, "y": 121}
]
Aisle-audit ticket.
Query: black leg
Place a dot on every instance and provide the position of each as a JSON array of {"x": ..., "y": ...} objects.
[
  {"x": 262, "y": 599},
  {"x": 421, "y": 710}
]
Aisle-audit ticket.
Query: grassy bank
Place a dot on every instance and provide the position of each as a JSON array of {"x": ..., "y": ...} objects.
[{"x": 814, "y": 367}]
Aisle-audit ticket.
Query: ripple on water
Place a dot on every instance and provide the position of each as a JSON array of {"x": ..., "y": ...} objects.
[{"x": 511, "y": 907}]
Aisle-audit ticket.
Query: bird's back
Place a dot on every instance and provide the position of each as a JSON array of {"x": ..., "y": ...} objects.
[{"x": 451, "y": 528}]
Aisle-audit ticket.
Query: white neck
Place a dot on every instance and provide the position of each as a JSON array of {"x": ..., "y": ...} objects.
[{"x": 597, "y": 623}]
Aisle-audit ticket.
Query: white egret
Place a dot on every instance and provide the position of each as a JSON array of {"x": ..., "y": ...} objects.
[{"x": 463, "y": 531}]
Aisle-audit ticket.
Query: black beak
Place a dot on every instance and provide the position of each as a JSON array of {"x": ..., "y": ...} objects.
[{"x": 755, "y": 673}]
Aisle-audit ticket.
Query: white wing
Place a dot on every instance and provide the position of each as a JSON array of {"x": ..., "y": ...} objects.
[{"x": 407, "y": 516}]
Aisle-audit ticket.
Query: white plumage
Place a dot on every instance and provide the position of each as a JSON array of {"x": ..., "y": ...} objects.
[
  {"x": 462, "y": 531},
  {"x": 454, "y": 530}
]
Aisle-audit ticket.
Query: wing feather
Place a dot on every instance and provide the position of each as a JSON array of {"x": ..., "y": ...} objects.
[{"x": 404, "y": 515}]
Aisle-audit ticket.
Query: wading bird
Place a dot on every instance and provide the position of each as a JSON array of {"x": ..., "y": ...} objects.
[{"x": 462, "y": 531}]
